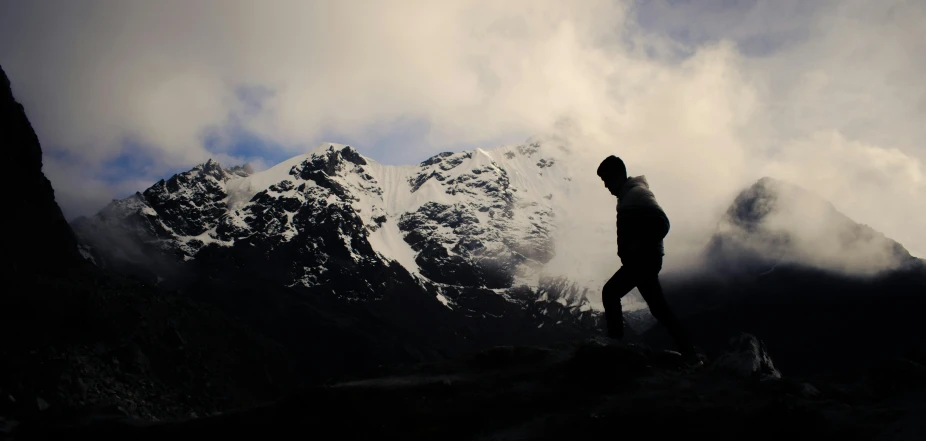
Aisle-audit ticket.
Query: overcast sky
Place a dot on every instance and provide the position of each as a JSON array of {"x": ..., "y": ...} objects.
[{"x": 701, "y": 96}]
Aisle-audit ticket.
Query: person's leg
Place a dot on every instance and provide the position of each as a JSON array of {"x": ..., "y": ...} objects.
[
  {"x": 617, "y": 287},
  {"x": 651, "y": 290}
]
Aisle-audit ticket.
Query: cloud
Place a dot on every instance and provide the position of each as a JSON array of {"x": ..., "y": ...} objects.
[
  {"x": 880, "y": 187},
  {"x": 77, "y": 186},
  {"x": 702, "y": 97}
]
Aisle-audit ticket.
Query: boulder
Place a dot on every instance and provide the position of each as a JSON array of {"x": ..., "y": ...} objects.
[{"x": 746, "y": 357}]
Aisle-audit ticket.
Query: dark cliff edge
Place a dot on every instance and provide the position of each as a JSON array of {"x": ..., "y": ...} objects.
[{"x": 38, "y": 237}]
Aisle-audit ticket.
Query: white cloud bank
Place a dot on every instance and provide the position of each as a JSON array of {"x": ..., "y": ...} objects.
[{"x": 703, "y": 100}]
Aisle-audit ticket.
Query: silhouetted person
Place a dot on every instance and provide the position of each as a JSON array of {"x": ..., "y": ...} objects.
[{"x": 641, "y": 227}]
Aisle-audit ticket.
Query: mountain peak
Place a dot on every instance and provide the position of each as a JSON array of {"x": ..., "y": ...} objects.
[
  {"x": 214, "y": 169},
  {"x": 211, "y": 167},
  {"x": 777, "y": 221},
  {"x": 329, "y": 147},
  {"x": 763, "y": 198},
  {"x": 241, "y": 170}
]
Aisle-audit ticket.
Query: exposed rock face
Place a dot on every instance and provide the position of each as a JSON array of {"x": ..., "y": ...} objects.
[
  {"x": 485, "y": 234},
  {"x": 458, "y": 215},
  {"x": 203, "y": 204},
  {"x": 40, "y": 239}
]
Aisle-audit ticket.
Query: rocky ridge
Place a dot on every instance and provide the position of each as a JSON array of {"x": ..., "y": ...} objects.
[{"x": 457, "y": 224}]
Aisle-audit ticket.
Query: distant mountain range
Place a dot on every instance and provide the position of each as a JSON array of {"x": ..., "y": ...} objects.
[
  {"x": 482, "y": 219},
  {"x": 464, "y": 236},
  {"x": 459, "y": 240},
  {"x": 474, "y": 219}
]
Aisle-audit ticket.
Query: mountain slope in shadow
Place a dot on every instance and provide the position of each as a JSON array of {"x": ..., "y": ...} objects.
[{"x": 824, "y": 292}]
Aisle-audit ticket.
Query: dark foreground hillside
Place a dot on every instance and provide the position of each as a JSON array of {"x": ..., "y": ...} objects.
[
  {"x": 84, "y": 339},
  {"x": 588, "y": 390}
]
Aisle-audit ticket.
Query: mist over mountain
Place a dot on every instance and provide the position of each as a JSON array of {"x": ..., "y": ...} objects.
[
  {"x": 774, "y": 222},
  {"x": 822, "y": 289}
]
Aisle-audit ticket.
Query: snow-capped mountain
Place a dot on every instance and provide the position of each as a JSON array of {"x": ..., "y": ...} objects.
[
  {"x": 337, "y": 223},
  {"x": 473, "y": 232}
]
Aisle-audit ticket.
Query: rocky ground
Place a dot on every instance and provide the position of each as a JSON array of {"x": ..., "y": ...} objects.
[
  {"x": 584, "y": 390},
  {"x": 86, "y": 342}
]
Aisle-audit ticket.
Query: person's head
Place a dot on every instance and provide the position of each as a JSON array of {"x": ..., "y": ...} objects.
[{"x": 613, "y": 172}]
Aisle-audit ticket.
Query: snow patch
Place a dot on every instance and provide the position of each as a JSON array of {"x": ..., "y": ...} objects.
[
  {"x": 389, "y": 243},
  {"x": 442, "y": 299},
  {"x": 85, "y": 253}
]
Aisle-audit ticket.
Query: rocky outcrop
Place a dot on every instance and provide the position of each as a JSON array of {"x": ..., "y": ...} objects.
[
  {"x": 191, "y": 203},
  {"x": 746, "y": 357},
  {"x": 38, "y": 237}
]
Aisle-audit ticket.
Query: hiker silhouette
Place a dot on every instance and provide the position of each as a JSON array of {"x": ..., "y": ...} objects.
[{"x": 641, "y": 227}]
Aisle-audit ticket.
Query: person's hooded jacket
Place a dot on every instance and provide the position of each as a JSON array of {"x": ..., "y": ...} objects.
[{"x": 641, "y": 222}]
